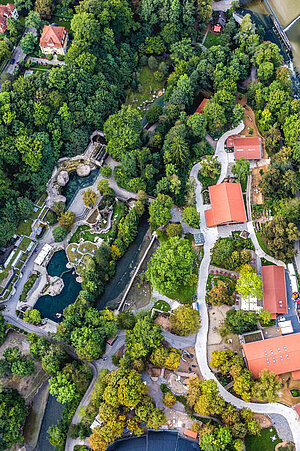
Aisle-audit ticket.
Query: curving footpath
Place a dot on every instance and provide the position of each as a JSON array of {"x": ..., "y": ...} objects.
[{"x": 211, "y": 235}]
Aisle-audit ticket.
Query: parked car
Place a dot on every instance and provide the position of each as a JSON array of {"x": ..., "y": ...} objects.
[{"x": 12, "y": 61}]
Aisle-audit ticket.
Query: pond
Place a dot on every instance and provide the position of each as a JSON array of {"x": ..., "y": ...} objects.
[
  {"x": 47, "y": 305},
  {"x": 124, "y": 269},
  {"x": 76, "y": 183},
  {"x": 156, "y": 441},
  {"x": 52, "y": 413}
]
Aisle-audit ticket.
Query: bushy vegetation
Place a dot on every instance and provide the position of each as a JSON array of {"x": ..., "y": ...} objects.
[{"x": 231, "y": 253}]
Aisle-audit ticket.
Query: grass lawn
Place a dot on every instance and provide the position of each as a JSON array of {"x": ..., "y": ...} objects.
[
  {"x": 261, "y": 242},
  {"x": 211, "y": 39},
  {"x": 76, "y": 235},
  {"x": 3, "y": 275},
  {"x": 35, "y": 214},
  {"x": 87, "y": 247},
  {"x": 185, "y": 294},
  {"x": 295, "y": 393},
  {"x": 24, "y": 243},
  {"x": 263, "y": 441},
  {"x": 162, "y": 305},
  {"x": 143, "y": 92},
  {"x": 24, "y": 227}
]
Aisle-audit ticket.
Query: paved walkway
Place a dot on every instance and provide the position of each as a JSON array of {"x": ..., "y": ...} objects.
[
  {"x": 211, "y": 236},
  {"x": 221, "y": 154},
  {"x": 53, "y": 62}
]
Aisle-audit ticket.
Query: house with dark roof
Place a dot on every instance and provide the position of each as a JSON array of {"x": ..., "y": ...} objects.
[
  {"x": 248, "y": 147},
  {"x": 280, "y": 355},
  {"x": 54, "y": 40},
  {"x": 218, "y": 21},
  {"x": 227, "y": 205},
  {"x": 7, "y": 11},
  {"x": 275, "y": 299}
]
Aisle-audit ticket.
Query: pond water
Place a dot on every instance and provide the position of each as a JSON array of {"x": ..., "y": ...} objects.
[
  {"x": 155, "y": 441},
  {"x": 52, "y": 413},
  {"x": 47, "y": 305},
  {"x": 124, "y": 268},
  {"x": 76, "y": 183}
]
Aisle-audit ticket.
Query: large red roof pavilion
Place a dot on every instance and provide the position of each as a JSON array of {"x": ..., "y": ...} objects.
[
  {"x": 280, "y": 355},
  {"x": 275, "y": 300},
  {"x": 227, "y": 205}
]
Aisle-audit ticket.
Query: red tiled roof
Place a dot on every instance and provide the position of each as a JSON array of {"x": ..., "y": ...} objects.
[
  {"x": 217, "y": 28},
  {"x": 201, "y": 106},
  {"x": 296, "y": 375},
  {"x": 190, "y": 433},
  {"x": 248, "y": 147},
  {"x": 53, "y": 35},
  {"x": 227, "y": 205},
  {"x": 279, "y": 354},
  {"x": 5, "y": 10},
  {"x": 274, "y": 300}
]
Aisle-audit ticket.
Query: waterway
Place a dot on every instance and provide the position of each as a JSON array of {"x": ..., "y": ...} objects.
[
  {"x": 47, "y": 305},
  {"x": 156, "y": 441},
  {"x": 76, "y": 183},
  {"x": 125, "y": 267},
  {"x": 51, "y": 416}
]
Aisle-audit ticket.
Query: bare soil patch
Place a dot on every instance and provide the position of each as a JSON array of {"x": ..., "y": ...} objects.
[
  {"x": 264, "y": 420},
  {"x": 163, "y": 322},
  {"x": 28, "y": 385},
  {"x": 257, "y": 173}
]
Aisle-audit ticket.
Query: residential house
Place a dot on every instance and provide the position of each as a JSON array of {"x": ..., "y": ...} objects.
[
  {"x": 280, "y": 355},
  {"x": 248, "y": 147},
  {"x": 227, "y": 205},
  {"x": 54, "y": 40},
  {"x": 5, "y": 12}
]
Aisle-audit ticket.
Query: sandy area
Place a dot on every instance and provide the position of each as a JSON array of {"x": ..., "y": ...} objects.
[
  {"x": 264, "y": 420},
  {"x": 28, "y": 385},
  {"x": 163, "y": 322},
  {"x": 257, "y": 197},
  {"x": 215, "y": 342}
]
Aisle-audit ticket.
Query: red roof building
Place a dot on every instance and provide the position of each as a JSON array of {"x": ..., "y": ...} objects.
[
  {"x": 201, "y": 106},
  {"x": 275, "y": 300},
  {"x": 5, "y": 12},
  {"x": 190, "y": 433},
  {"x": 227, "y": 205},
  {"x": 54, "y": 39},
  {"x": 279, "y": 354},
  {"x": 248, "y": 147}
]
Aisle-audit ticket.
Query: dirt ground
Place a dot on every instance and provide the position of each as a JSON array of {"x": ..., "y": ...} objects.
[
  {"x": 256, "y": 194},
  {"x": 264, "y": 420},
  {"x": 288, "y": 384},
  {"x": 28, "y": 385},
  {"x": 215, "y": 342},
  {"x": 163, "y": 322}
]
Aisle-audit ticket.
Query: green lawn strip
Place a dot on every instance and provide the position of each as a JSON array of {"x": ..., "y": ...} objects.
[
  {"x": 41, "y": 200},
  {"x": 211, "y": 39},
  {"x": 147, "y": 79},
  {"x": 3, "y": 275},
  {"x": 24, "y": 243},
  {"x": 162, "y": 305},
  {"x": 263, "y": 441},
  {"x": 185, "y": 294},
  {"x": 43, "y": 212},
  {"x": 76, "y": 235},
  {"x": 261, "y": 243},
  {"x": 35, "y": 214},
  {"x": 27, "y": 286},
  {"x": 24, "y": 227}
]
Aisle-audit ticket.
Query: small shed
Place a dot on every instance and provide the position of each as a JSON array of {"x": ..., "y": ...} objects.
[
  {"x": 191, "y": 434},
  {"x": 218, "y": 21},
  {"x": 199, "y": 239}
]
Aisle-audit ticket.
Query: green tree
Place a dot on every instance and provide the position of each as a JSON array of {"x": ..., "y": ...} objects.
[
  {"x": 143, "y": 338},
  {"x": 45, "y": 8},
  {"x": 32, "y": 316},
  {"x": 23, "y": 367},
  {"x": 156, "y": 419},
  {"x": 160, "y": 211},
  {"x": 62, "y": 388},
  {"x": 279, "y": 236},
  {"x": 103, "y": 187},
  {"x": 265, "y": 318},
  {"x": 59, "y": 233},
  {"x": 169, "y": 399},
  {"x": 123, "y": 131},
  {"x": 31, "y": 151},
  {"x": 106, "y": 171},
  {"x": 174, "y": 229},
  {"x": 33, "y": 20},
  {"x": 152, "y": 115},
  {"x": 28, "y": 43},
  {"x": 177, "y": 152},
  {"x": 249, "y": 284},
  {"x": 241, "y": 169},
  {"x": 56, "y": 434},
  {"x": 4, "y": 51},
  {"x": 241, "y": 321},
  {"x": 171, "y": 265},
  {"x": 267, "y": 387},
  {"x": 12, "y": 417},
  {"x": 89, "y": 198},
  {"x": 191, "y": 217},
  {"x": 217, "y": 440},
  {"x": 67, "y": 219},
  {"x": 185, "y": 320}
]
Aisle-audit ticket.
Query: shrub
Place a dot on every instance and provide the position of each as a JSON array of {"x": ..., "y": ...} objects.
[
  {"x": 60, "y": 57},
  {"x": 169, "y": 399},
  {"x": 153, "y": 113},
  {"x": 158, "y": 76},
  {"x": 59, "y": 233},
  {"x": 152, "y": 63},
  {"x": 106, "y": 171},
  {"x": 49, "y": 57}
]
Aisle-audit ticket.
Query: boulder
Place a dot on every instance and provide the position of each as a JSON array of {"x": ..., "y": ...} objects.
[
  {"x": 83, "y": 170},
  {"x": 62, "y": 178}
]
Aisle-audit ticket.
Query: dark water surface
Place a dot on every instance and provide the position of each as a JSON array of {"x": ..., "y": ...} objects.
[
  {"x": 76, "y": 183},
  {"x": 124, "y": 268},
  {"x": 156, "y": 441},
  {"x": 47, "y": 305},
  {"x": 52, "y": 413}
]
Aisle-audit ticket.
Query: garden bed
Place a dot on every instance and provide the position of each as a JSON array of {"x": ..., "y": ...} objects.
[
  {"x": 92, "y": 218},
  {"x": 162, "y": 305},
  {"x": 226, "y": 279},
  {"x": 255, "y": 336},
  {"x": 87, "y": 247},
  {"x": 23, "y": 246},
  {"x": 28, "y": 285}
]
